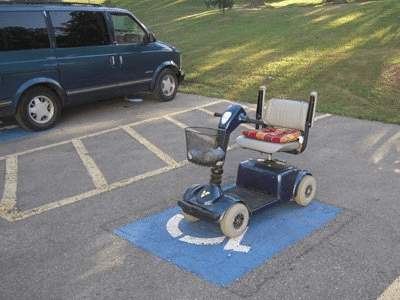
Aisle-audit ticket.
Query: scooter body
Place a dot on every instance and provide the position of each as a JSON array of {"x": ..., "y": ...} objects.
[{"x": 260, "y": 183}]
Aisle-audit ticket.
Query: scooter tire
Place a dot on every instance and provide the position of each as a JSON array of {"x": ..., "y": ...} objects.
[
  {"x": 306, "y": 190},
  {"x": 189, "y": 218},
  {"x": 235, "y": 220}
]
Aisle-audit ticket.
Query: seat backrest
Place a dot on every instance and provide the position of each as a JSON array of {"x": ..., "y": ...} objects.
[{"x": 286, "y": 113}]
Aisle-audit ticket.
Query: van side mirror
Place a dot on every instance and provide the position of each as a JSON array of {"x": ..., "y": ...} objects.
[{"x": 150, "y": 37}]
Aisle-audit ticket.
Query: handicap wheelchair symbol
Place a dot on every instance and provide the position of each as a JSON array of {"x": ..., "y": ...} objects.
[{"x": 233, "y": 244}]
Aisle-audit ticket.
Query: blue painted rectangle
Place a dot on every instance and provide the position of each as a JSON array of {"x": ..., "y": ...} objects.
[
  {"x": 7, "y": 134},
  {"x": 269, "y": 232}
]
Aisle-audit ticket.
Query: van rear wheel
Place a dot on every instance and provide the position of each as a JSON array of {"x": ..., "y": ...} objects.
[{"x": 39, "y": 109}]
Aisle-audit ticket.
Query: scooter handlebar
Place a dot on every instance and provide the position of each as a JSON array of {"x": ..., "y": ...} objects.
[
  {"x": 245, "y": 119},
  {"x": 254, "y": 121}
]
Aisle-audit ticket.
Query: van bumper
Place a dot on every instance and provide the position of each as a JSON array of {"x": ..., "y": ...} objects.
[{"x": 181, "y": 76}]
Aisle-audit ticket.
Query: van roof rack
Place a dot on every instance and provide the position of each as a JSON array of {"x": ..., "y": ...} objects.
[{"x": 27, "y": 2}]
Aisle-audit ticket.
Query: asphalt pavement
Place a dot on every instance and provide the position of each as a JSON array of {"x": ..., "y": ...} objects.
[{"x": 109, "y": 164}]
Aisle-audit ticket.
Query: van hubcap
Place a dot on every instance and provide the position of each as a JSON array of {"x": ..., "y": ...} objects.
[
  {"x": 168, "y": 85},
  {"x": 41, "y": 109}
]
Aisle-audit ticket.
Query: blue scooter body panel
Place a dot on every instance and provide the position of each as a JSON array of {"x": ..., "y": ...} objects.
[
  {"x": 273, "y": 177},
  {"x": 197, "y": 206}
]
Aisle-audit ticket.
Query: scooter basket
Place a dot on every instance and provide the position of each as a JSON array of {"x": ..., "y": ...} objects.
[{"x": 206, "y": 146}]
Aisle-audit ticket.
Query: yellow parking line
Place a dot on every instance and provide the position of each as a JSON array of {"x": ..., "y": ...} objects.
[
  {"x": 160, "y": 171},
  {"x": 392, "y": 291},
  {"x": 322, "y": 117},
  {"x": 8, "y": 205},
  {"x": 206, "y": 111},
  {"x": 9, "y": 201},
  {"x": 112, "y": 129},
  {"x": 98, "y": 179},
  {"x": 165, "y": 157},
  {"x": 176, "y": 122},
  {"x": 385, "y": 148},
  {"x": 44, "y": 208},
  {"x": 198, "y": 107}
]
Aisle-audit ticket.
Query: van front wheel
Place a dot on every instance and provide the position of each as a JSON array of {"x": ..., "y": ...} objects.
[
  {"x": 166, "y": 85},
  {"x": 39, "y": 109}
]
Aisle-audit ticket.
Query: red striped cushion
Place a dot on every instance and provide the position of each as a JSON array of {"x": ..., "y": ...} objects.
[{"x": 274, "y": 135}]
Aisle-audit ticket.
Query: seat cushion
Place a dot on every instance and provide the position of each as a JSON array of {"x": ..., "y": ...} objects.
[
  {"x": 273, "y": 134},
  {"x": 267, "y": 147}
]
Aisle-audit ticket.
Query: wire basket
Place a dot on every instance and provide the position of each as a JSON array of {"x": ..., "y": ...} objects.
[{"x": 206, "y": 146}]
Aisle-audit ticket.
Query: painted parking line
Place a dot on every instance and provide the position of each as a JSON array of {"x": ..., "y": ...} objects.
[
  {"x": 8, "y": 203},
  {"x": 392, "y": 292},
  {"x": 9, "y": 200},
  {"x": 200, "y": 247}
]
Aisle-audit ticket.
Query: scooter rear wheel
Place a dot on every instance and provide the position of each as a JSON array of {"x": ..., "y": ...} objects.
[
  {"x": 235, "y": 220},
  {"x": 306, "y": 190}
]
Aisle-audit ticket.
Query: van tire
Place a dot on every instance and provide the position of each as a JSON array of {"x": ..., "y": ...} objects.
[
  {"x": 166, "y": 86},
  {"x": 39, "y": 109}
]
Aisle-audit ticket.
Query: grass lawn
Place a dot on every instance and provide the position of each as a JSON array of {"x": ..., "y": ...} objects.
[{"x": 349, "y": 54}]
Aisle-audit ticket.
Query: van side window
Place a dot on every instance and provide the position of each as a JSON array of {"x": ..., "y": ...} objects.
[
  {"x": 126, "y": 30},
  {"x": 79, "y": 29},
  {"x": 23, "y": 31}
]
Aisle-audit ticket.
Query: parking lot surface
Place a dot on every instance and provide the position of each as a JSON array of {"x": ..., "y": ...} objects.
[{"x": 65, "y": 193}]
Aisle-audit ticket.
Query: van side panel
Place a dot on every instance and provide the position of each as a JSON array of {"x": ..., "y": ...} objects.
[
  {"x": 87, "y": 73},
  {"x": 25, "y": 54},
  {"x": 86, "y": 58},
  {"x": 18, "y": 67}
]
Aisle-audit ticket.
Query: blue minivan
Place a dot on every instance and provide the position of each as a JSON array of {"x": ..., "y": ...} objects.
[{"x": 57, "y": 55}]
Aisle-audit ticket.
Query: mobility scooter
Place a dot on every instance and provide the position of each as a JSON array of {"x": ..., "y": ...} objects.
[{"x": 280, "y": 126}]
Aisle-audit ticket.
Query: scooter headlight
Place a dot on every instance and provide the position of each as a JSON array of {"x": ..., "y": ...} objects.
[{"x": 225, "y": 117}]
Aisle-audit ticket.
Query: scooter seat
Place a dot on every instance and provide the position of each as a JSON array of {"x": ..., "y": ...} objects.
[
  {"x": 266, "y": 147},
  {"x": 290, "y": 114}
]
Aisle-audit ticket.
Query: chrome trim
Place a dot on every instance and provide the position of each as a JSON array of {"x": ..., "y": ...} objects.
[
  {"x": 5, "y": 103},
  {"x": 110, "y": 86},
  {"x": 93, "y": 89},
  {"x": 134, "y": 82}
]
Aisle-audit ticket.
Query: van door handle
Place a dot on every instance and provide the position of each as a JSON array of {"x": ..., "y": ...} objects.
[
  {"x": 112, "y": 60},
  {"x": 121, "y": 61}
]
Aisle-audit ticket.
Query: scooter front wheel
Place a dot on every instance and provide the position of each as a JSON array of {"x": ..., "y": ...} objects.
[
  {"x": 306, "y": 190},
  {"x": 235, "y": 220},
  {"x": 189, "y": 218}
]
